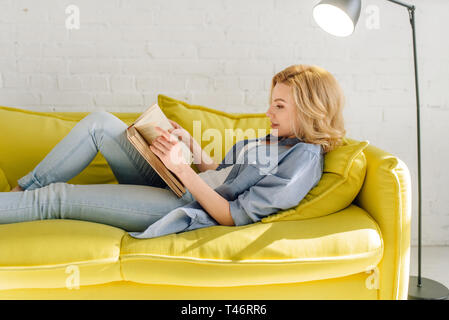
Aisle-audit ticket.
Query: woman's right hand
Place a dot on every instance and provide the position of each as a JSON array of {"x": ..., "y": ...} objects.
[
  {"x": 202, "y": 160},
  {"x": 180, "y": 132}
]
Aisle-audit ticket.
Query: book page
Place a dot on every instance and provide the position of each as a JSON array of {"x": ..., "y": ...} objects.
[{"x": 153, "y": 117}]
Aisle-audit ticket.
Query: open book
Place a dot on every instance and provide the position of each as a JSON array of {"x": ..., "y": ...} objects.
[{"x": 141, "y": 133}]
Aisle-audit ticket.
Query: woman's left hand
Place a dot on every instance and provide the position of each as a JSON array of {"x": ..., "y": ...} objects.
[{"x": 168, "y": 149}]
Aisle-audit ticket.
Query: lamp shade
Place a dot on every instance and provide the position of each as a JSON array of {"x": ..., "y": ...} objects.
[{"x": 338, "y": 17}]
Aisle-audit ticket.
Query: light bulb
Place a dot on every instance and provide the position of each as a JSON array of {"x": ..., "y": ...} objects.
[{"x": 333, "y": 20}]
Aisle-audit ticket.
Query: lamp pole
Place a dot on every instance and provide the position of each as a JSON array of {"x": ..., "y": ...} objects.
[
  {"x": 411, "y": 12},
  {"x": 419, "y": 288},
  {"x": 430, "y": 289}
]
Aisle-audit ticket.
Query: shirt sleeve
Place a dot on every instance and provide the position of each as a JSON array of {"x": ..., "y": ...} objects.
[{"x": 292, "y": 179}]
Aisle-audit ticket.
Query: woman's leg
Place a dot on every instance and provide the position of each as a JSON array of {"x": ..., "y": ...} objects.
[
  {"x": 129, "y": 207},
  {"x": 98, "y": 131}
]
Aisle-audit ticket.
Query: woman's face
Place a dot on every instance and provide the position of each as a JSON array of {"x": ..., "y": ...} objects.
[{"x": 282, "y": 111}]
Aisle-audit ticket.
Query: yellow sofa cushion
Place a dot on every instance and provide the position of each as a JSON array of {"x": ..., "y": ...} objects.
[
  {"x": 262, "y": 253},
  {"x": 4, "y": 185},
  {"x": 53, "y": 253},
  {"x": 343, "y": 176},
  {"x": 28, "y": 136}
]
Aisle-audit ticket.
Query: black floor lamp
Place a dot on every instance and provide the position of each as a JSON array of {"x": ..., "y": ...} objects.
[{"x": 339, "y": 17}]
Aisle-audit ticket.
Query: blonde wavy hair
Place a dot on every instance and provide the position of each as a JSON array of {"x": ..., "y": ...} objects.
[{"x": 319, "y": 103}]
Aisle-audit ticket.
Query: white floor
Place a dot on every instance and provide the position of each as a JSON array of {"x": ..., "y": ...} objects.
[{"x": 434, "y": 263}]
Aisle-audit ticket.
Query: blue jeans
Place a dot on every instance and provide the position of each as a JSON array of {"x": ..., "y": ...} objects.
[{"x": 140, "y": 199}]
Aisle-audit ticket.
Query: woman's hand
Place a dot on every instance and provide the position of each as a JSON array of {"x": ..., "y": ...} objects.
[
  {"x": 181, "y": 133},
  {"x": 168, "y": 149},
  {"x": 201, "y": 159}
]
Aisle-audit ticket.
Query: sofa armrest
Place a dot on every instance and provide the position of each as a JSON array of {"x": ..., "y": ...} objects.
[{"x": 386, "y": 195}]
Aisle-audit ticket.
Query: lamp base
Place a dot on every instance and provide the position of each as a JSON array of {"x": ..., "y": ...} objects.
[{"x": 429, "y": 290}]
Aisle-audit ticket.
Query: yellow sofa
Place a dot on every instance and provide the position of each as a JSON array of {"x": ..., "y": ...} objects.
[{"x": 360, "y": 252}]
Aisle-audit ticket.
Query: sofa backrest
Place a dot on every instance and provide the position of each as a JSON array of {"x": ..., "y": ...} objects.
[{"x": 27, "y": 136}]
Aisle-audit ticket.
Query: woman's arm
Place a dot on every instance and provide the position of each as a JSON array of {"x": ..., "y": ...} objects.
[
  {"x": 170, "y": 153},
  {"x": 214, "y": 204}
]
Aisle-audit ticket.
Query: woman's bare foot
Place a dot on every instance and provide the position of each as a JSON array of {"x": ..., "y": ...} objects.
[{"x": 16, "y": 189}]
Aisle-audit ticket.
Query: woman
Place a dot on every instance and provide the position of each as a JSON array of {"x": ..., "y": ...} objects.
[{"x": 305, "y": 111}]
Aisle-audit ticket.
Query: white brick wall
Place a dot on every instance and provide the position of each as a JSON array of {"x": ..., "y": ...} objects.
[{"x": 223, "y": 53}]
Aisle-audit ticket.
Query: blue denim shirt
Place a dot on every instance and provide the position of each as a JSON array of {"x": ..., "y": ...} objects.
[{"x": 272, "y": 177}]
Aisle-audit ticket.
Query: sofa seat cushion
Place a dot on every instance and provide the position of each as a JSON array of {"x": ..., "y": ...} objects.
[
  {"x": 337, "y": 245},
  {"x": 58, "y": 254}
]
